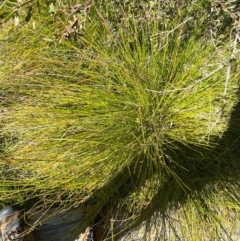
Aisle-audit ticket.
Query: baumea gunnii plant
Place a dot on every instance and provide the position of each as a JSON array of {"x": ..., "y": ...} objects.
[{"x": 133, "y": 121}]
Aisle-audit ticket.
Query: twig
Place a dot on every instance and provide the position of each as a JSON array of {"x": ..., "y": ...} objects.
[
  {"x": 76, "y": 9},
  {"x": 169, "y": 32},
  {"x": 79, "y": 7},
  {"x": 25, "y": 3},
  {"x": 68, "y": 30},
  {"x": 233, "y": 56},
  {"x": 190, "y": 86}
]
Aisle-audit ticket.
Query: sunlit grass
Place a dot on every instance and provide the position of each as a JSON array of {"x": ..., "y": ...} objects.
[{"x": 135, "y": 120}]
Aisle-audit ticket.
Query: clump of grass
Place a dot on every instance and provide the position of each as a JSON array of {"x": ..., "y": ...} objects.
[{"x": 134, "y": 120}]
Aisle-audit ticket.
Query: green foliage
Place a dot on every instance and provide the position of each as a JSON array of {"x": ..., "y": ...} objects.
[
  {"x": 135, "y": 117},
  {"x": 16, "y": 9},
  {"x": 71, "y": 16}
]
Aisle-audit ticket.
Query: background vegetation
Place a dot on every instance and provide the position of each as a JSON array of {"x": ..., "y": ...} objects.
[{"x": 125, "y": 108}]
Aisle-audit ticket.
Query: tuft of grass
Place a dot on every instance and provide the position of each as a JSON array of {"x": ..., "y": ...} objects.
[{"x": 137, "y": 121}]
